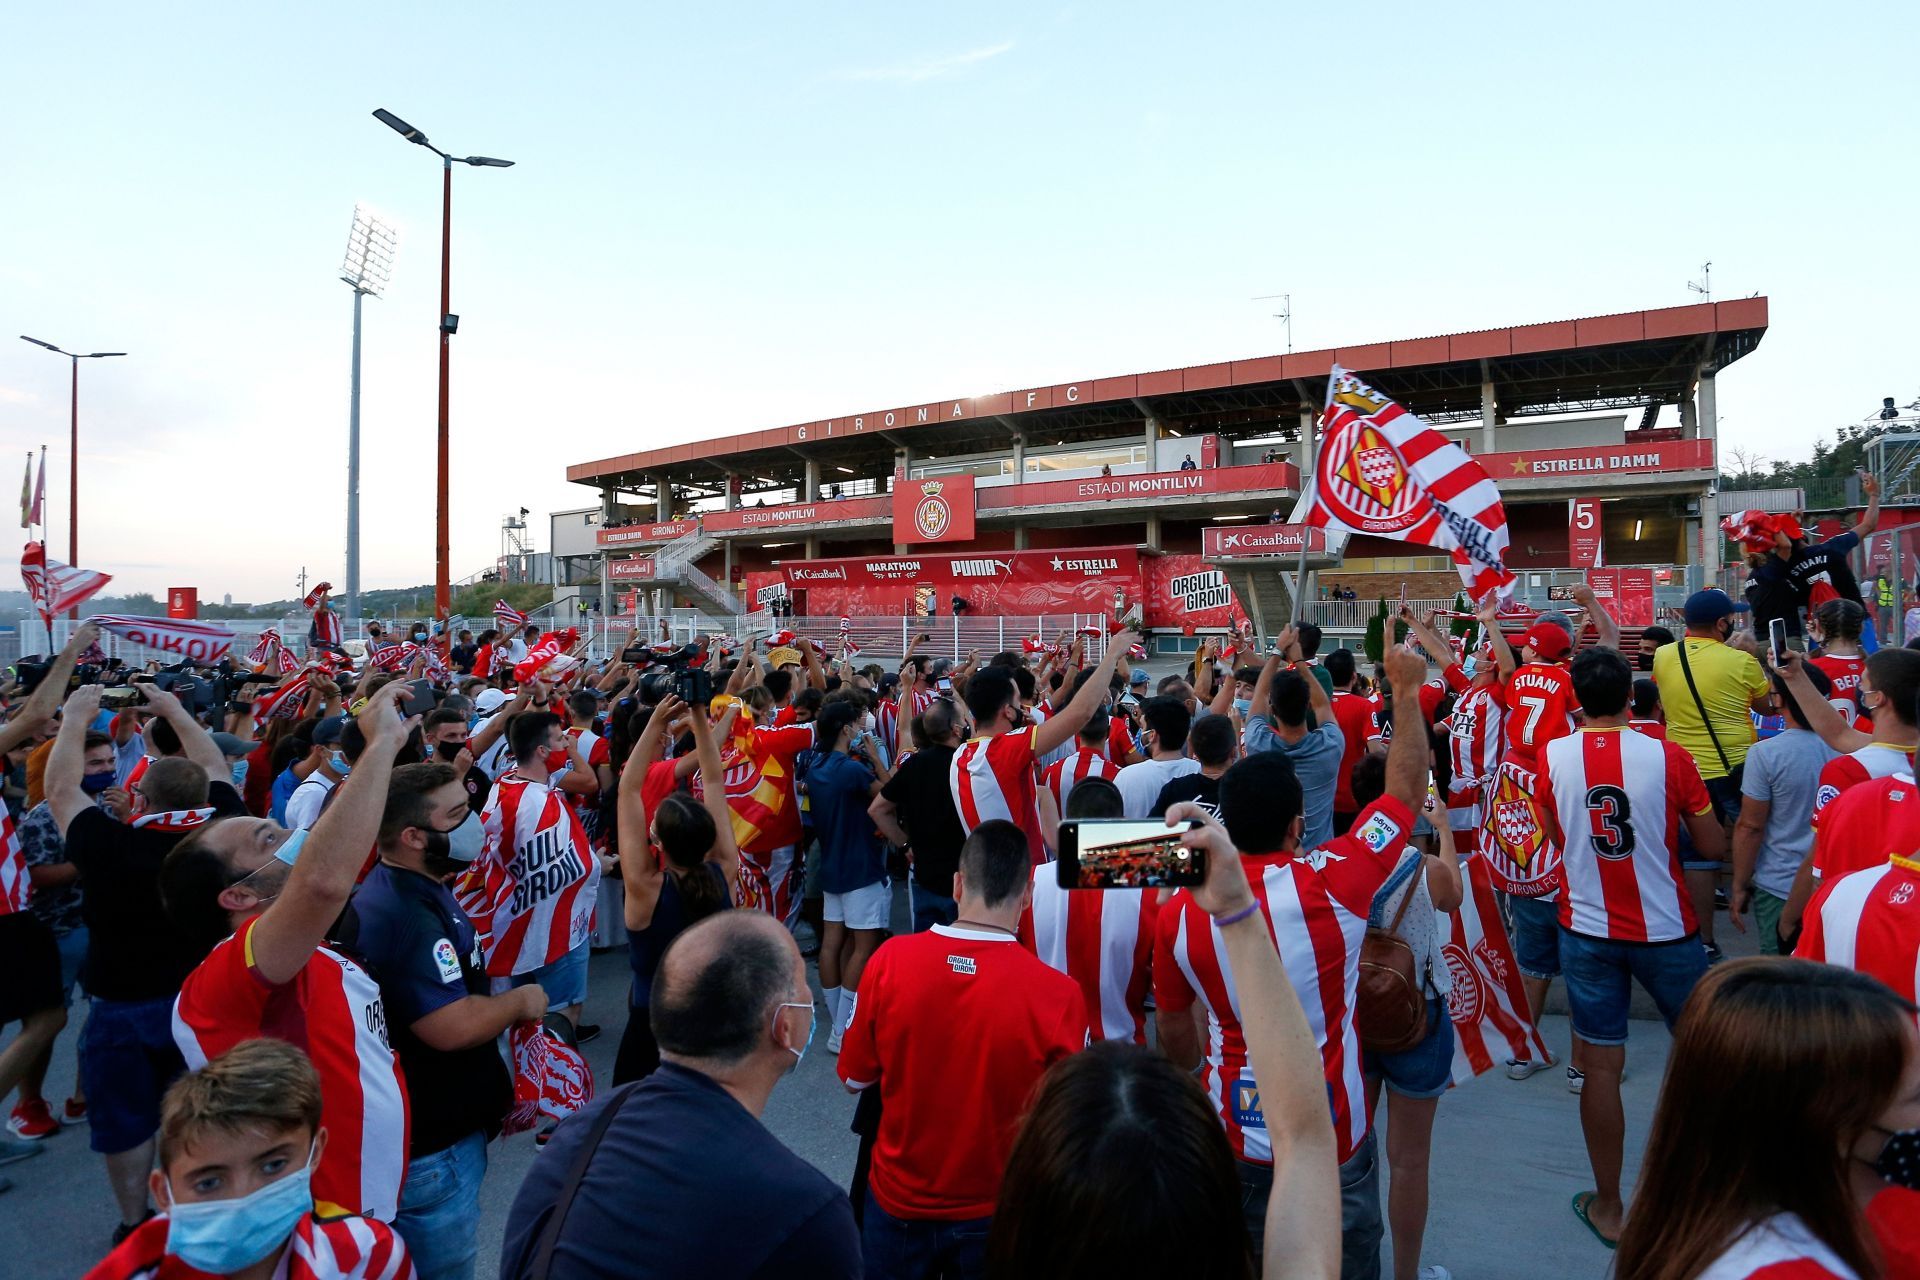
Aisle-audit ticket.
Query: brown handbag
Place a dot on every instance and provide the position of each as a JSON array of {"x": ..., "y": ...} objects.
[{"x": 1390, "y": 1007}]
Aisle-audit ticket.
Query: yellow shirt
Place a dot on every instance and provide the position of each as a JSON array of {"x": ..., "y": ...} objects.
[{"x": 1729, "y": 680}]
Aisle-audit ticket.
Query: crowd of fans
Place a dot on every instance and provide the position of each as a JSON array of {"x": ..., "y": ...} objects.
[{"x": 316, "y": 927}]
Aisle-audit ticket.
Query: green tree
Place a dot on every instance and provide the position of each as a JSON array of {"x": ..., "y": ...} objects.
[{"x": 1374, "y": 644}]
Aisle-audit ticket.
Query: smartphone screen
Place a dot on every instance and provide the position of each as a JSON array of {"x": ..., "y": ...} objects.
[
  {"x": 943, "y": 684},
  {"x": 1126, "y": 853},
  {"x": 420, "y": 701},
  {"x": 1777, "y": 639}
]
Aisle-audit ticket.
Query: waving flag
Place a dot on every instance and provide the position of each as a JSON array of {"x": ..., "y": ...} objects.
[
  {"x": 266, "y": 651},
  {"x": 1382, "y": 471},
  {"x": 551, "y": 1078},
  {"x": 57, "y": 587},
  {"x": 1755, "y": 529},
  {"x": 283, "y": 703},
  {"x": 26, "y": 496},
  {"x": 199, "y": 642},
  {"x": 507, "y": 617},
  {"x": 1487, "y": 1006},
  {"x": 553, "y": 646}
]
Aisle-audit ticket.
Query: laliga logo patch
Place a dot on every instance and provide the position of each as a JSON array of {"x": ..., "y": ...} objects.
[
  {"x": 932, "y": 517},
  {"x": 1378, "y": 833},
  {"x": 446, "y": 960}
]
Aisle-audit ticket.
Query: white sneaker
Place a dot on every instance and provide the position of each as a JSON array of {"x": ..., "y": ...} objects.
[
  {"x": 1521, "y": 1068},
  {"x": 1576, "y": 1080},
  {"x": 1435, "y": 1273},
  {"x": 833, "y": 1041}
]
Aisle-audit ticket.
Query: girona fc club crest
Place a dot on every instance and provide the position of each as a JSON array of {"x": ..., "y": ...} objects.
[
  {"x": 932, "y": 517},
  {"x": 1468, "y": 999},
  {"x": 1365, "y": 483},
  {"x": 1517, "y": 850}
]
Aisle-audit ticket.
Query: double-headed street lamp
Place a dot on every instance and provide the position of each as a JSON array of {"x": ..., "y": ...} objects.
[
  {"x": 73, "y": 450},
  {"x": 449, "y": 324}
]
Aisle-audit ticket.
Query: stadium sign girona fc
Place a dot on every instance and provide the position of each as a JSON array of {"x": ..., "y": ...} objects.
[
  {"x": 931, "y": 510},
  {"x": 1364, "y": 481}
]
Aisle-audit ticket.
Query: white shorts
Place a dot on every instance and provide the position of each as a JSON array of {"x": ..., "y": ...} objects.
[{"x": 867, "y": 907}]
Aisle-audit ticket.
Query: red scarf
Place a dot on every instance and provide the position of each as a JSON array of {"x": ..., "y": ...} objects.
[{"x": 173, "y": 820}]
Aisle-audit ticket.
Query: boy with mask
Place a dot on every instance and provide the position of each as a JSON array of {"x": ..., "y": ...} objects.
[
  {"x": 405, "y": 923},
  {"x": 239, "y": 1140}
]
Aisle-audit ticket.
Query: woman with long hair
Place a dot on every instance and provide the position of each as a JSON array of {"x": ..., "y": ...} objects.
[
  {"x": 1792, "y": 1099},
  {"x": 1835, "y": 628},
  {"x": 1122, "y": 1168},
  {"x": 678, "y": 865}
]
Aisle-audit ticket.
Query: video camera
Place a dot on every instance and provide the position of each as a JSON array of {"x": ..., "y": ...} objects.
[
  {"x": 684, "y": 673},
  {"x": 31, "y": 670}
]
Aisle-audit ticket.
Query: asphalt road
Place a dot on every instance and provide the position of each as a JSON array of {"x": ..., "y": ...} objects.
[{"x": 1507, "y": 1158}]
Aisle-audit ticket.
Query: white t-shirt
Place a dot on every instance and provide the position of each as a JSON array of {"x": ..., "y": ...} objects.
[
  {"x": 304, "y": 805},
  {"x": 1140, "y": 784}
]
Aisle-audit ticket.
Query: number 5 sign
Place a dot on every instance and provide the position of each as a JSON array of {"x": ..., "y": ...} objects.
[{"x": 1584, "y": 534}]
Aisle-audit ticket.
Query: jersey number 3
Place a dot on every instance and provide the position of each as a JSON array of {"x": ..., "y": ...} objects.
[{"x": 1610, "y": 822}]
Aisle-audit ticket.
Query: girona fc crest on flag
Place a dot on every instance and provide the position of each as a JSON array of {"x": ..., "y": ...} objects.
[
  {"x": 1523, "y": 860},
  {"x": 1370, "y": 486}
]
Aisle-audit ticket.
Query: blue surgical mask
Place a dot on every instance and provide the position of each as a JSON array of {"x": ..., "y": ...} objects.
[
  {"x": 223, "y": 1236},
  {"x": 94, "y": 783},
  {"x": 239, "y": 772},
  {"x": 1243, "y": 705},
  {"x": 338, "y": 763},
  {"x": 813, "y": 1023},
  {"x": 290, "y": 847}
]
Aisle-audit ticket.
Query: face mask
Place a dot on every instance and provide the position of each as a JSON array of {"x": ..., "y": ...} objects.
[
  {"x": 1644, "y": 661},
  {"x": 94, "y": 783},
  {"x": 813, "y": 1021},
  {"x": 455, "y": 850},
  {"x": 239, "y": 772},
  {"x": 448, "y": 751},
  {"x": 1243, "y": 705},
  {"x": 338, "y": 763},
  {"x": 418, "y": 636},
  {"x": 1899, "y": 1161},
  {"x": 223, "y": 1236},
  {"x": 290, "y": 847}
]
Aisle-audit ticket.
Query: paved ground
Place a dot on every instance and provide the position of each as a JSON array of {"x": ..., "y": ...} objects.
[{"x": 1507, "y": 1157}]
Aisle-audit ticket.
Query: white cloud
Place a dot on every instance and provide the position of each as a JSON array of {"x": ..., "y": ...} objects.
[
  {"x": 12, "y": 395},
  {"x": 929, "y": 68}
]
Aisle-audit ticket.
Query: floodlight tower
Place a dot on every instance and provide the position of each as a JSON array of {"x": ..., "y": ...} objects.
[
  {"x": 449, "y": 325},
  {"x": 367, "y": 269}
]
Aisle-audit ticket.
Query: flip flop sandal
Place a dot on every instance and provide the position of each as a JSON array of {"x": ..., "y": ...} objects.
[{"x": 1580, "y": 1202}]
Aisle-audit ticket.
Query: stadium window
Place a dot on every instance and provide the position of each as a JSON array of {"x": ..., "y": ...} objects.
[{"x": 1087, "y": 459}]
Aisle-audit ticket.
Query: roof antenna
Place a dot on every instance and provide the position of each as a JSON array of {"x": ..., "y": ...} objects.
[
  {"x": 1704, "y": 285},
  {"x": 1284, "y": 315}
]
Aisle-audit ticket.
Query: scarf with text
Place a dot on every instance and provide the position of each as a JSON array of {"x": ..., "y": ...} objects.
[{"x": 198, "y": 642}]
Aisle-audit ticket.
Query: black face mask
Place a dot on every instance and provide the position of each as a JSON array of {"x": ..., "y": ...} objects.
[
  {"x": 439, "y": 862},
  {"x": 1644, "y": 661},
  {"x": 448, "y": 751},
  {"x": 1899, "y": 1161}
]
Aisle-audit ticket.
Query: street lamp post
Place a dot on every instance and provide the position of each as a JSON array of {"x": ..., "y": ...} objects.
[
  {"x": 367, "y": 268},
  {"x": 449, "y": 325},
  {"x": 73, "y": 447}
]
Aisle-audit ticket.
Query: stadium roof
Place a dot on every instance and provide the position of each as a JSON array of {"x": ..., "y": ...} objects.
[{"x": 1634, "y": 360}]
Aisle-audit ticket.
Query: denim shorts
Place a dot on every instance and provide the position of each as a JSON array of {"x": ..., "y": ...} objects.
[
  {"x": 1725, "y": 795},
  {"x": 1600, "y": 974},
  {"x": 564, "y": 980},
  {"x": 1426, "y": 1070},
  {"x": 1536, "y": 935},
  {"x": 127, "y": 1060},
  {"x": 73, "y": 953}
]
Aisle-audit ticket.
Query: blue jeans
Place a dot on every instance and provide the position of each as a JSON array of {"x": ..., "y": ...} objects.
[
  {"x": 912, "y": 1248},
  {"x": 1536, "y": 935},
  {"x": 1600, "y": 974},
  {"x": 1360, "y": 1225},
  {"x": 564, "y": 981},
  {"x": 930, "y": 909},
  {"x": 440, "y": 1209},
  {"x": 73, "y": 953}
]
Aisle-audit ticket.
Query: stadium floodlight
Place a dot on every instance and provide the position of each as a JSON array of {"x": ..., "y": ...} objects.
[
  {"x": 73, "y": 444},
  {"x": 449, "y": 324},
  {"x": 368, "y": 267}
]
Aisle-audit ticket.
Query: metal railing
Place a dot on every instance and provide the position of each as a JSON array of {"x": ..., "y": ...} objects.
[{"x": 886, "y": 637}]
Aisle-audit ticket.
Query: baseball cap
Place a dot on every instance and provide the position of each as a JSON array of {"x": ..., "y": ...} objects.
[
  {"x": 327, "y": 732},
  {"x": 490, "y": 700},
  {"x": 1711, "y": 605},
  {"x": 1139, "y": 678},
  {"x": 1548, "y": 640},
  {"x": 232, "y": 745}
]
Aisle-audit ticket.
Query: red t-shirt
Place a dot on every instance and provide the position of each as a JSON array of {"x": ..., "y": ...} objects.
[
  {"x": 1875, "y": 760},
  {"x": 1354, "y": 715},
  {"x": 1869, "y": 921},
  {"x": 1866, "y": 825},
  {"x": 955, "y": 1027},
  {"x": 332, "y": 1011},
  {"x": 1656, "y": 729},
  {"x": 1894, "y": 1216},
  {"x": 1540, "y": 706},
  {"x": 773, "y": 751},
  {"x": 1119, "y": 740}
]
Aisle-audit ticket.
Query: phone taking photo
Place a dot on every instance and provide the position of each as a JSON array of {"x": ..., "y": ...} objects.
[
  {"x": 1127, "y": 853},
  {"x": 1777, "y": 640}
]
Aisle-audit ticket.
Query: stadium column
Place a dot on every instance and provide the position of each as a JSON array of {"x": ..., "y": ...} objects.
[
  {"x": 1706, "y": 411},
  {"x": 663, "y": 497},
  {"x": 1488, "y": 415},
  {"x": 1020, "y": 537},
  {"x": 812, "y": 481},
  {"x": 1153, "y": 530},
  {"x": 731, "y": 487},
  {"x": 1019, "y": 455}
]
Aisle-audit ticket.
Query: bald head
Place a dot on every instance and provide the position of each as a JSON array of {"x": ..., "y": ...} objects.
[{"x": 719, "y": 984}]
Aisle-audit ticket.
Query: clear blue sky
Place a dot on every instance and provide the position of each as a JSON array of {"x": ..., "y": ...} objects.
[{"x": 735, "y": 216}]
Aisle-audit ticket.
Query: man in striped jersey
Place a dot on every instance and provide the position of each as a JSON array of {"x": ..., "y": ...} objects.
[
  {"x": 1869, "y": 920},
  {"x": 1614, "y": 801},
  {"x": 274, "y": 894},
  {"x": 1316, "y": 902},
  {"x": 1089, "y": 761},
  {"x": 992, "y": 775}
]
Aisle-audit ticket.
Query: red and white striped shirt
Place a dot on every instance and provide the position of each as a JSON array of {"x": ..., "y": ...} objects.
[
  {"x": 595, "y": 751},
  {"x": 1316, "y": 907},
  {"x": 993, "y": 778},
  {"x": 1869, "y": 921},
  {"x": 331, "y": 1011},
  {"x": 1475, "y": 738},
  {"x": 1062, "y": 775},
  {"x": 1868, "y": 823},
  {"x": 888, "y": 717},
  {"x": 532, "y": 890},
  {"x": 349, "y": 1248},
  {"x": 16, "y": 886},
  {"x": 1778, "y": 1248},
  {"x": 1614, "y": 799},
  {"x": 1103, "y": 940},
  {"x": 1875, "y": 760}
]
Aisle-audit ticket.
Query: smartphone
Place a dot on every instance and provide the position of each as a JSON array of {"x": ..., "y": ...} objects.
[
  {"x": 943, "y": 684},
  {"x": 1777, "y": 640},
  {"x": 420, "y": 700},
  {"x": 120, "y": 698},
  {"x": 1127, "y": 853}
]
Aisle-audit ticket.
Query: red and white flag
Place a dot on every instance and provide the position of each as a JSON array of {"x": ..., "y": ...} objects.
[
  {"x": 26, "y": 495},
  {"x": 1383, "y": 472},
  {"x": 551, "y": 1078},
  {"x": 507, "y": 617},
  {"x": 283, "y": 703},
  {"x": 548, "y": 653},
  {"x": 33, "y": 500},
  {"x": 317, "y": 598},
  {"x": 199, "y": 642},
  {"x": 55, "y": 587},
  {"x": 1487, "y": 1004},
  {"x": 265, "y": 649}
]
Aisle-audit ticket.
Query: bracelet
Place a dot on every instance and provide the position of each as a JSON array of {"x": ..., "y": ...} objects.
[{"x": 1222, "y": 922}]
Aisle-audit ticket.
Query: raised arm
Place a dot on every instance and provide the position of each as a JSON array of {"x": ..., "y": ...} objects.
[
  {"x": 640, "y": 871},
  {"x": 1431, "y": 641},
  {"x": 39, "y": 708},
  {"x": 68, "y": 759},
  {"x": 1870, "y": 518},
  {"x": 1063, "y": 724},
  {"x": 336, "y": 848},
  {"x": 195, "y": 742},
  {"x": 1502, "y": 651},
  {"x": 1316, "y": 693},
  {"x": 1834, "y": 729},
  {"x": 713, "y": 793},
  {"x": 490, "y": 732},
  {"x": 1407, "y": 755}
]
